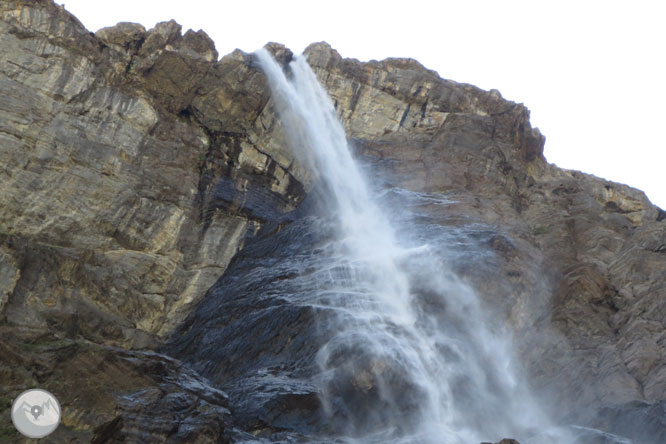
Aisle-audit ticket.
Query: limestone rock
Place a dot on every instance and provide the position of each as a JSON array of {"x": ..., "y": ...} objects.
[
  {"x": 580, "y": 266},
  {"x": 9, "y": 275},
  {"x": 117, "y": 198},
  {"x": 132, "y": 171},
  {"x": 280, "y": 52},
  {"x": 135, "y": 166},
  {"x": 125, "y": 36},
  {"x": 163, "y": 34},
  {"x": 112, "y": 395}
]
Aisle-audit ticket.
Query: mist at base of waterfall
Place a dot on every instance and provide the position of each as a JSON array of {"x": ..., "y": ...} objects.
[{"x": 412, "y": 357}]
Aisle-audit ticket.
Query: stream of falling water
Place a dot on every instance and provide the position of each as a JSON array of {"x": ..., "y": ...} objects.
[{"x": 412, "y": 357}]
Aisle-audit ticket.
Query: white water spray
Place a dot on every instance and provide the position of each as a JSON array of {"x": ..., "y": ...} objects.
[{"x": 411, "y": 357}]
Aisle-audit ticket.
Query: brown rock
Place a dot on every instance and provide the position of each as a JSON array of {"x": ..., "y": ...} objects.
[
  {"x": 124, "y": 36},
  {"x": 111, "y": 395},
  {"x": 135, "y": 165},
  {"x": 199, "y": 43},
  {"x": 583, "y": 249},
  {"x": 118, "y": 202}
]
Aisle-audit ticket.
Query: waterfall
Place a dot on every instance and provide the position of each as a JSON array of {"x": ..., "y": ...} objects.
[{"x": 411, "y": 357}]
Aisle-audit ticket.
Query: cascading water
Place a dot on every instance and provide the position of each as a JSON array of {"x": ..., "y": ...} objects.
[{"x": 411, "y": 356}]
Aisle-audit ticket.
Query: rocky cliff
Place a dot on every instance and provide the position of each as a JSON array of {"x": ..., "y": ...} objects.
[{"x": 144, "y": 182}]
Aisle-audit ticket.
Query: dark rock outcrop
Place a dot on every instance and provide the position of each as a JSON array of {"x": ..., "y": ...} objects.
[
  {"x": 135, "y": 165},
  {"x": 131, "y": 174},
  {"x": 113, "y": 395}
]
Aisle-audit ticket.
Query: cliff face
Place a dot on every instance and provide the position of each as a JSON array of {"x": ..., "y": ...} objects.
[
  {"x": 135, "y": 166},
  {"x": 580, "y": 256}
]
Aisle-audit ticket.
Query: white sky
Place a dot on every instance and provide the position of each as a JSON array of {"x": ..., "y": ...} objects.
[{"x": 591, "y": 72}]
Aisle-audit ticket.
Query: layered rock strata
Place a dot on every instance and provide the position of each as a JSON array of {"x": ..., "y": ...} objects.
[{"x": 135, "y": 165}]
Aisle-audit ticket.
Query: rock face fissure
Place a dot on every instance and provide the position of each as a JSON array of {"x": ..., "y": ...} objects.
[{"x": 160, "y": 242}]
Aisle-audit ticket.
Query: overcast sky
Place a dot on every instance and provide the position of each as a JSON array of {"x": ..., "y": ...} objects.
[{"x": 591, "y": 72}]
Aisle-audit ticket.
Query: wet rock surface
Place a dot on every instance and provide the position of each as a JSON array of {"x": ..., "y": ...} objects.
[
  {"x": 150, "y": 202},
  {"x": 645, "y": 422},
  {"x": 109, "y": 394},
  {"x": 267, "y": 376},
  {"x": 260, "y": 328},
  {"x": 120, "y": 207},
  {"x": 580, "y": 278}
]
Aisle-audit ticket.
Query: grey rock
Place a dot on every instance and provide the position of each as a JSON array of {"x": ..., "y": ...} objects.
[
  {"x": 145, "y": 185},
  {"x": 124, "y": 36}
]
